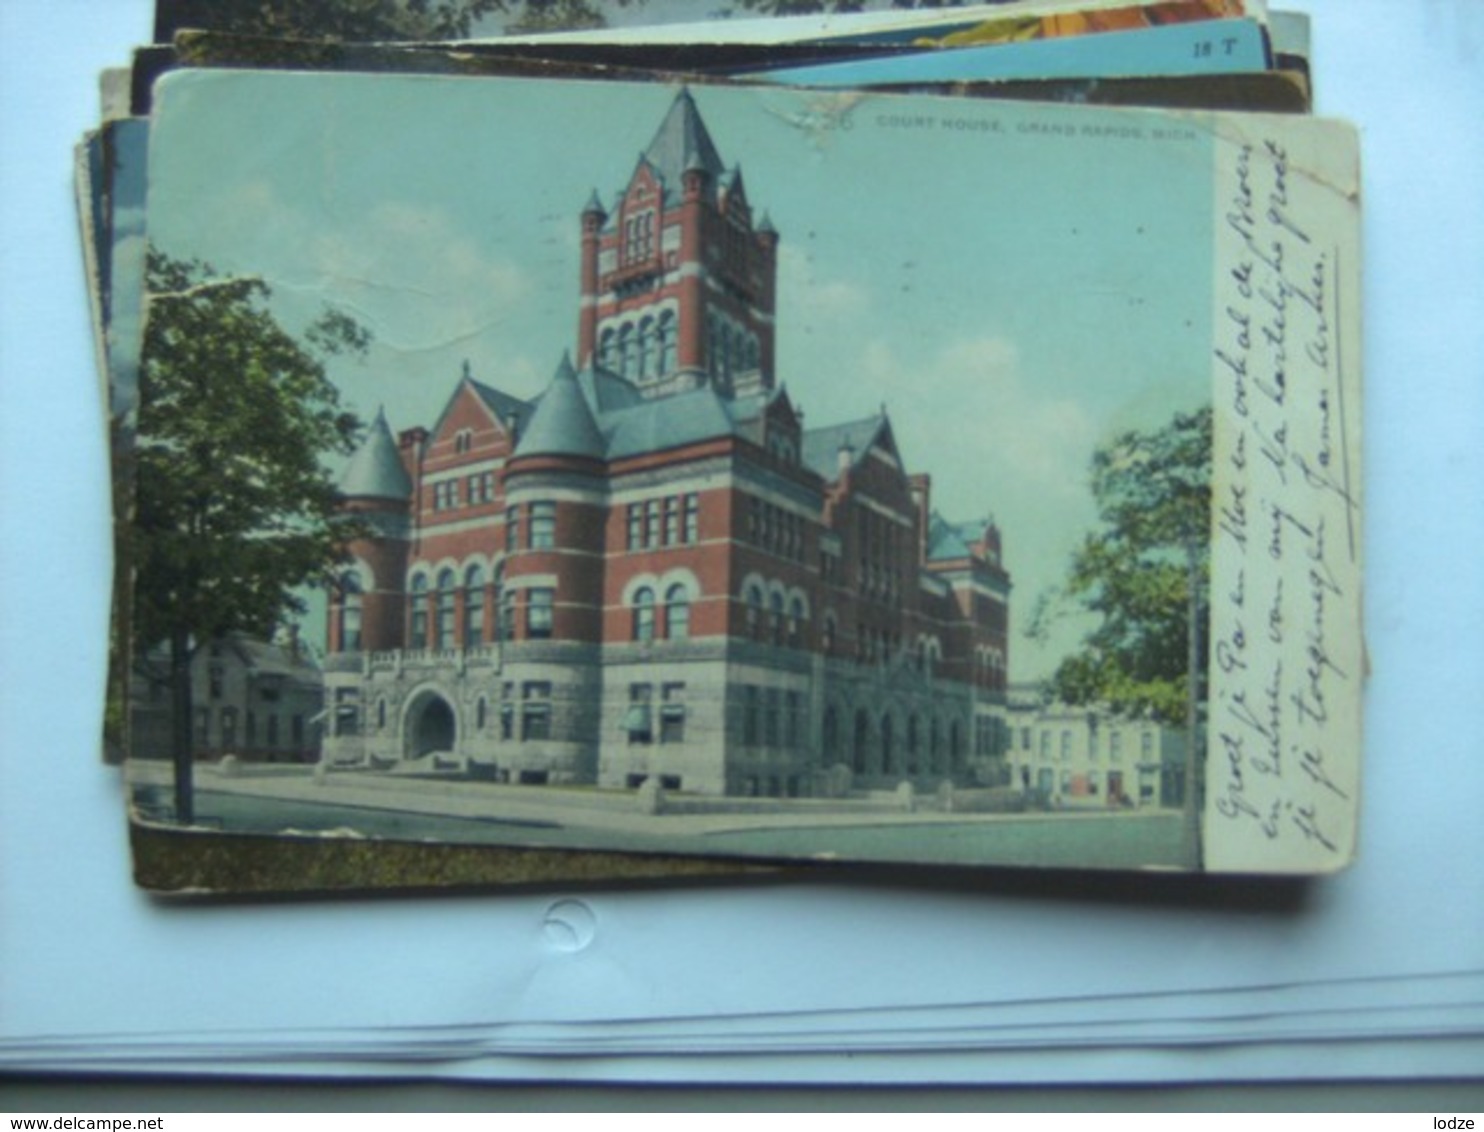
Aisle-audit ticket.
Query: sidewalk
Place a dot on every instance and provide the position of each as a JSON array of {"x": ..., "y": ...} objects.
[{"x": 554, "y": 806}]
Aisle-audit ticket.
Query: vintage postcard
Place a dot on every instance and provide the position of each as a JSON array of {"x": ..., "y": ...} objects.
[
  {"x": 675, "y": 21},
  {"x": 1262, "y": 90},
  {"x": 1233, "y": 46},
  {"x": 756, "y": 474},
  {"x": 111, "y": 197}
]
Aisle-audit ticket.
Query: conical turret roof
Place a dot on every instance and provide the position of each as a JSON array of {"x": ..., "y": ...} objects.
[
  {"x": 563, "y": 423},
  {"x": 375, "y": 470}
]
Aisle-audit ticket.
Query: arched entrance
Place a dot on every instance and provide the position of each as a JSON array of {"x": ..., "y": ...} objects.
[{"x": 429, "y": 726}]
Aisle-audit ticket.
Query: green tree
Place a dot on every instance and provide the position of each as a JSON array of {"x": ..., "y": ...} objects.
[
  {"x": 1144, "y": 571},
  {"x": 234, "y": 509}
]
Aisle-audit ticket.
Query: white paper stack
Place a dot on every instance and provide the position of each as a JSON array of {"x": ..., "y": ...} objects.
[{"x": 1377, "y": 972}]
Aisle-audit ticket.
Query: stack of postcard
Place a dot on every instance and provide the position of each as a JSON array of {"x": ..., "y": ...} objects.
[
  {"x": 591, "y": 443},
  {"x": 845, "y": 461}
]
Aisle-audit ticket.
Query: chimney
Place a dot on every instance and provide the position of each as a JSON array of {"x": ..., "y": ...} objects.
[{"x": 845, "y": 458}]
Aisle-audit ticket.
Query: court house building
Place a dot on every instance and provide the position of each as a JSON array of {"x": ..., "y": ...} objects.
[{"x": 655, "y": 569}]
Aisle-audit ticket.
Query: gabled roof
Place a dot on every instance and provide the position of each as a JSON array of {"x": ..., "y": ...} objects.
[
  {"x": 668, "y": 422},
  {"x": 563, "y": 423},
  {"x": 749, "y": 406},
  {"x": 607, "y": 391},
  {"x": 780, "y": 406},
  {"x": 947, "y": 540},
  {"x": 501, "y": 406},
  {"x": 257, "y": 657},
  {"x": 597, "y": 414},
  {"x": 509, "y": 409},
  {"x": 822, "y": 445},
  {"x": 375, "y": 470},
  {"x": 272, "y": 660}
]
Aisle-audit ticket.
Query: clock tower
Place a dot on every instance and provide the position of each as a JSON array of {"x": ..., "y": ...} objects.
[{"x": 678, "y": 275}]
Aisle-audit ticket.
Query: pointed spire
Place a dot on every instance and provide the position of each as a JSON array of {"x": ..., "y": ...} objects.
[
  {"x": 594, "y": 205},
  {"x": 682, "y": 143},
  {"x": 562, "y": 424},
  {"x": 375, "y": 470},
  {"x": 765, "y": 225}
]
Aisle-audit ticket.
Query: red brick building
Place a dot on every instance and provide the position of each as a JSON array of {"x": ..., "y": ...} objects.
[{"x": 655, "y": 569}]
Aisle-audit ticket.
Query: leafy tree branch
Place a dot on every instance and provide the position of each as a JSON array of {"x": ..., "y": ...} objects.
[
  {"x": 234, "y": 508},
  {"x": 1136, "y": 570}
]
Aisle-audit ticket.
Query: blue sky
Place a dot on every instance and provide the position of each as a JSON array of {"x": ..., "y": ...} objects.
[{"x": 1014, "y": 294}]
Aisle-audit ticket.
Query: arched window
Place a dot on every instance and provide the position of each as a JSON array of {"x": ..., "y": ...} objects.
[
  {"x": 474, "y": 606},
  {"x": 888, "y": 756},
  {"x": 381, "y": 714},
  {"x": 728, "y": 353},
  {"x": 350, "y": 612},
  {"x": 446, "y": 587},
  {"x": 795, "y": 621},
  {"x": 644, "y": 614},
  {"x": 504, "y": 607},
  {"x": 648, "y": 348},
  {"x": 419, "y": 628},
  {"x": 667, "y": 342},
  {"x": 713, "y": 346},
  {"x": 754, "y": 610},
  {"x": 861, "y": 753},
  {"x": 626, "y": 350},
  {"x": 828, "y": 639},
  {"x": 677, "y": 613},
  {"x": 606, "y": 357},
  {"x": 507, "y": 615},
  {"x": 775, "y": 618}
]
